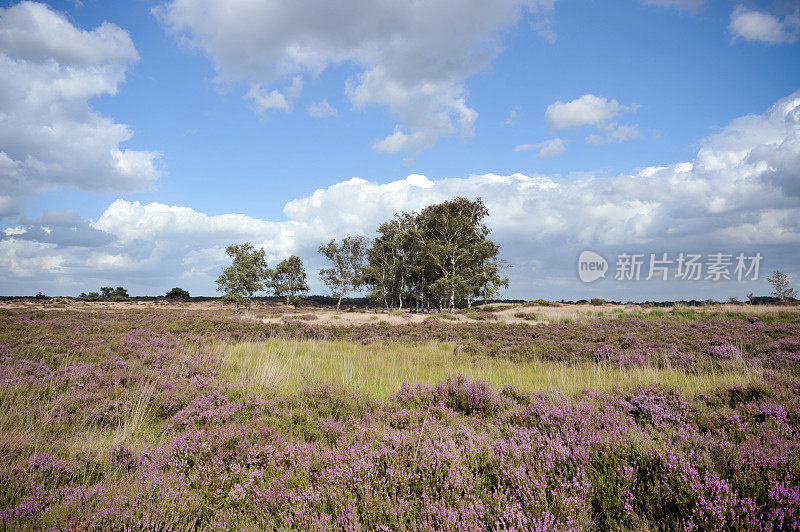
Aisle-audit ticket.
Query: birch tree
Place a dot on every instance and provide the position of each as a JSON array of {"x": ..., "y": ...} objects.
[
  {"x": 246, "y": 275},
  {"x": 348, "y": 264},
  {"x": 289, "y": 278}
]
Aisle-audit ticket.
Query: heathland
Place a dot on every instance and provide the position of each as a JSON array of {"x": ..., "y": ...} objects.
[{"x": 529, "y": 416}]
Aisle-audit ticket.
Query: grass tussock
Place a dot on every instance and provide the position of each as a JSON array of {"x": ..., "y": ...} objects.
[{"x": 377, "y": 370}]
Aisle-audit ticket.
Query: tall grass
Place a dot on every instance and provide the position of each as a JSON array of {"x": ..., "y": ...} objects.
[{"x": 377, "y": 370}]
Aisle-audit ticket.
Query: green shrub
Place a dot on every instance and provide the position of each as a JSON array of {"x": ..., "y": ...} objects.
[{"x": 538, "y": 303}]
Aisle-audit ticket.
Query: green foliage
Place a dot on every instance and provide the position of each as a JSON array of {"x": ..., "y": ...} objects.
[
  {"x": 119, "y": 294},
  {"x": 289, "y": 278},
  {"x": 107, "y": 294},
  {"x": 440, "y": 255},
  {"x": 178, "y": 293},
  {"x": 538, "y": 303},
  {"x": 348, "y": 264},
  {"x": 245, "y": 276},
  {"x": 597, "y": 301}
]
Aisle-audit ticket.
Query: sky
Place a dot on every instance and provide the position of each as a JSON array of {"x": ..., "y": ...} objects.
[{"x": 139, "y": 139}]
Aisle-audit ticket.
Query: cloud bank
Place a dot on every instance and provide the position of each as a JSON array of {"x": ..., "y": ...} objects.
[{"x": 740, "y": 192}]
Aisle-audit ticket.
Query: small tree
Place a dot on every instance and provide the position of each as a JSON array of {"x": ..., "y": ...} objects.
[
  {"x": 348, "y": 259},
  {"x": 119, "y": 294},
  {"x": 245, "y": 276},
  {"x": 113, "y": 294},
  {"x": 289, "y": 278},
  {"x": 780, "y": 286},
  {"x": 91, "y": 296},
  {"x": 178, "y": 293}
]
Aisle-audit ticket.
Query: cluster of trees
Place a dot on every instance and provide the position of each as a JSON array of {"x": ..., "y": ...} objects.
[
  {"x": 106, "y": 294},
  {"x": 249, "y": 274},
  {"x": 439, "y": 257}
]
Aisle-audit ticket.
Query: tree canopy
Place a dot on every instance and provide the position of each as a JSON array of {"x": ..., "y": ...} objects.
[
  {"x": 289, "y": 278},
  {"x": 441, "y": 254},
  {"x": 246, "y": 275},
  {"x": 348, "y": 264}
]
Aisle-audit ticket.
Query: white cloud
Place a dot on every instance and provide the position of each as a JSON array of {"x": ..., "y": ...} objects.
[
  {"x": 412, "y": 57},
  {"x": 266, "y": 100},
  {"x": 614, "y": 133},
  {"x": 513, "y": 116},
  {"x": 547, "y": 149},
  {"x": 321, "y": 110},
  {"x": 586, "y": 110},
  {"x": 740, "y": 192},
  {"x": 591, "y": 110},
  {"x": 49, "y": 135},
  {"x": 756, "y": 26}
]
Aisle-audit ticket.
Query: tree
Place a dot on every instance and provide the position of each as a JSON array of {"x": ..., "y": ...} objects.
[
  {"x": 119, "y": 294},
  {"x": 91, "y": 296},
  {"x": 289, "y": 278},
  {"x": 780, "y": 286},
  {"x": 348, "y": 260},
  {"x": 178, "y": 293},
  {"x": 489, "y": 282},
  {"x": 113, "y": 294},
  {"x": 245, "y": 276},
  {"x": 386, "y": 269},
  {"x": 455, "y": 241}
]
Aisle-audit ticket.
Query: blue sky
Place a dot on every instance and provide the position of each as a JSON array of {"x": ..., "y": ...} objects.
[{"x": 583, "y": 96}]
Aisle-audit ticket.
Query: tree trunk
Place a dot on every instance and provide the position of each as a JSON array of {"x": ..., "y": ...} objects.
[{"x": 339, "y": 303}]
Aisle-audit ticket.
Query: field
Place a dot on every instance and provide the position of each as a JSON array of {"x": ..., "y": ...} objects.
[{"x": 573, "y": 417}]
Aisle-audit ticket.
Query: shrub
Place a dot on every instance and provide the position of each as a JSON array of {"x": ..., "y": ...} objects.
[
  {"x": 538, "y": 303},
  {"x": 597, "y": 301},
  {"x": 178, "y": 293}
]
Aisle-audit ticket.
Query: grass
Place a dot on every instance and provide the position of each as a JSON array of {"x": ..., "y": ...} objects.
[{"x": 286, "y": 366}]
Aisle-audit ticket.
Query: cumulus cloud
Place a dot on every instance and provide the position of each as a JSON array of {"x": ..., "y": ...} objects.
[
  {"x": 757, "y": 26},
  {"x": 547, "y": 149},
  {"x": 591, "y": 110},
  {"x": 614, "y": 133},
  {"x": 586, "y": 110},
  {"x": 50, "y": 137},
  {"x": 513, "y": 116},
  {"x": 321, "y": 109},
  {"x": 739, "y": 193},
  {"x": 412, "y": 57}
]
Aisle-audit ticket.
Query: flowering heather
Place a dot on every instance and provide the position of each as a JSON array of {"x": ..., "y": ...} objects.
[{"x": 124, "y": 420}]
